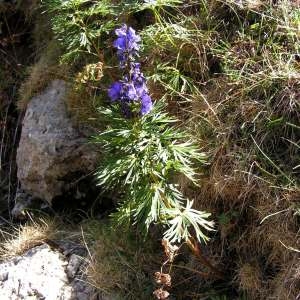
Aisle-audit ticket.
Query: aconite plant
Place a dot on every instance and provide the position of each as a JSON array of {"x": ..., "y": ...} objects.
[{"x": 144, "y": 151}]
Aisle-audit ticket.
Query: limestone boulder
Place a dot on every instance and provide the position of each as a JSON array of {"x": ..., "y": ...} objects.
[
  {"x": 52, "y": 151},
  {"x": 42, "y": 274}
]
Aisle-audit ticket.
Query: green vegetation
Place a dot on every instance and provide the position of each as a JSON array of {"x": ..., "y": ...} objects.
[
  {"x": 141, "y": 157},
  {"x": 226, "y": 73},
  {"x": 229, "y": 71}
]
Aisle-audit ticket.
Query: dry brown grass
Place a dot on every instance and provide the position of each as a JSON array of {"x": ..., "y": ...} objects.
[
  {"x": 249, "y": 278},
  {"x": 41, "y": 73},
  {"x": 271, "y": 239},
  {"x": 245, "y": 181},
  {"x": 119, "y": 262},
  {"x": 227, "y": 188},
  {"x": 25, "y": 237},
  {"x": 286, "y": 285}
]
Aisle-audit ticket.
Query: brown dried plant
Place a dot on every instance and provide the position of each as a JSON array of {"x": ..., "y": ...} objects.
[{"x": 165, "y": 279}]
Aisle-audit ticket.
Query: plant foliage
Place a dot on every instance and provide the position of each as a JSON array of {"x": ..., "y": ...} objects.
[
  {"x": 143, "y": 156},
  {"x": 229, "y": 71}
]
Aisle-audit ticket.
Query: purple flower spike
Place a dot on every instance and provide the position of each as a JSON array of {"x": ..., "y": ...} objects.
[
  {"x": 133, "y": 85},
  {"x": 127, "y": 44}
]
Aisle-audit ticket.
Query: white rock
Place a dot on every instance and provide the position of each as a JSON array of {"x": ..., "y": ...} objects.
[{"x": 40, "y": 273}]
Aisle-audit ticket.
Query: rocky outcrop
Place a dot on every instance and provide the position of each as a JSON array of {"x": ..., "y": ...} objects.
[
  {"x": 23, "y": 202},
  {"x": 52, "y": 151},
  {"x": 44, "y": 273}
]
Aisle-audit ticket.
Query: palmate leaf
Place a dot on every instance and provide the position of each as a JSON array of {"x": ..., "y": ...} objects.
[
  {"x": 79, "y": 25},
  {"x": 183, "y": 220},
  {"x": 148, "y": 205},
  {"x": 152, "y": 199},
  {"x": 147, "y": 147}
]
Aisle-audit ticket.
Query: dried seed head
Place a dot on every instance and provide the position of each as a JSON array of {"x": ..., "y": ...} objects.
[
  {"x": 90, "y": 73},
  {"x": 162, "y": 278},
  {"x": 170, "y": 250},
  {"x": 161, "y": 294}
]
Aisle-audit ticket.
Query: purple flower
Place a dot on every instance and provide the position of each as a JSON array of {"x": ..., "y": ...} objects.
[
  {"x": 114, "y": 91},
  {"x": 121, "y": 31},
  {"x": 146, "y": 104},
  {"x": 127, "y": 44},
  {"x": 129, "y": 92},
  {"x": 120, "y": 43},
  {"x": 136, "y": 67},
  {"x": 133, "y": 85},
  {"x": 133, "y": 40},
  {"x": 139, "y": 79}
]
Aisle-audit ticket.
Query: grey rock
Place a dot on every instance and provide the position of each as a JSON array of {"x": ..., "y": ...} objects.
[
  {"x": 74, "y": 264},
  {"x": 83, "y": 292},
  {"x": 69, "y": 247},
  {"x": 51, "y": 148},
  {"x": 41, "y": 274},
  {"x": 22, "y": 202},
  {"x": 25, "y": 202}
]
